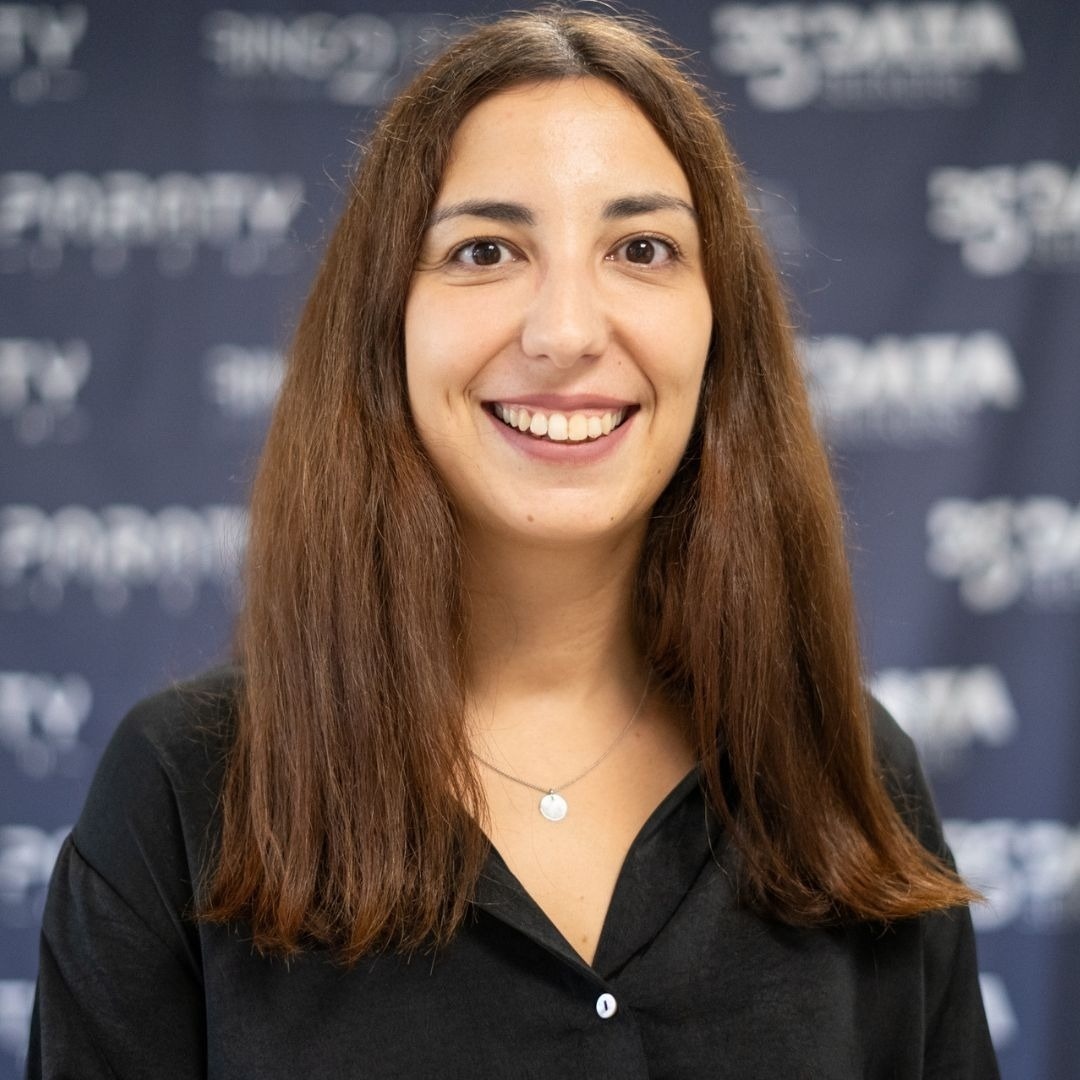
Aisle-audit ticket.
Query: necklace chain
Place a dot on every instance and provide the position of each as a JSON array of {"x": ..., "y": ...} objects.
[{"x": 551, "y": 790}]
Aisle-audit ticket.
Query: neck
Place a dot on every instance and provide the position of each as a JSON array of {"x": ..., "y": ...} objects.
[{"x": 550, "y": 641}]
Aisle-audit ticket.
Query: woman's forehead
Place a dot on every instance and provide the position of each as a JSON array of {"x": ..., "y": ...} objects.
[{"x": 566, "y": 136}]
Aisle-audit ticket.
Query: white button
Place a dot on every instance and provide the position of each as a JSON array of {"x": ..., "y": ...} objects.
[{"x": 605, "y": 1006}]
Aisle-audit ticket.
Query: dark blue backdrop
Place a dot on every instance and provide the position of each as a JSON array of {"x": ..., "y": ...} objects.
[{"x": 166, "y": 176}]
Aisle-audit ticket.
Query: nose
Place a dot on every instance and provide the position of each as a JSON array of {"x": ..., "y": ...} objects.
[{"x": 565, "y": 322}]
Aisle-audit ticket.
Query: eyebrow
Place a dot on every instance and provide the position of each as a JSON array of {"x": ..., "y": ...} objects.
[
  {"x": 512, "y": 213},
  {"x": 630, "y": 205}
]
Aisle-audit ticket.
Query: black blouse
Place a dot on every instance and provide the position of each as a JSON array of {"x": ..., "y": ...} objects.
[{"x": 684, "y": 982}]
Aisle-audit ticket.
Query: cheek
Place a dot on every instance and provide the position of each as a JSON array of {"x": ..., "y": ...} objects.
[
  {"x": 695, "y": 342},
  {"x": 674, "y": 341},
  {"x": 427, "y": 370},
  {"x": 449, "y": 339},
  {"x": 684, "y": 371}
]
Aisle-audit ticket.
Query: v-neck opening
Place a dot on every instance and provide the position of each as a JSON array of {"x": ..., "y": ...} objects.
[{"x": 540, "y": 924}]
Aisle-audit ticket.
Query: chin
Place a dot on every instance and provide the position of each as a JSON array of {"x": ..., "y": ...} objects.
[{"x": 567, "y": 530}]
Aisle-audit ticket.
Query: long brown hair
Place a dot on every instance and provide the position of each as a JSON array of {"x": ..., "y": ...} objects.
[{"x": 349, "y": 808}]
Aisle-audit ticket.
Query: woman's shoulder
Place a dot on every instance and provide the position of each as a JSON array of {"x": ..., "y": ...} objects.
[
  {"x": 181, "y": 727},
  {"x": 121, "y": 956},
  {"x": 155, "y": 790},
  {"x": 904, "y": 779},
  {"x": 893, "y": 746},
  {"x": 179, "y": 735}
]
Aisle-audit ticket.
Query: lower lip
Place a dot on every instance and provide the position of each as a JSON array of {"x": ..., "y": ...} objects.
[{"x": 566, "y": 453}]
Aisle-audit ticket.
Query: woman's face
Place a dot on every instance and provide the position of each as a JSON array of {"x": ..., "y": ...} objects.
[{"x": 558, "y": 321}]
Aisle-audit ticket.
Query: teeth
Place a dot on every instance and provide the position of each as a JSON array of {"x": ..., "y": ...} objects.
[
  {"x": 558, "y": 427},
  {"x": 577, "y": 427}
]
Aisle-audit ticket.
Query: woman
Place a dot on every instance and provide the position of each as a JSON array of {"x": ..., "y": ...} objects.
[{"x": 546, "y": 752}]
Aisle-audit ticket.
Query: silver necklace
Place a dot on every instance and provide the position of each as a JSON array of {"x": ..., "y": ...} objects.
[{"x": 553, "y": 805}]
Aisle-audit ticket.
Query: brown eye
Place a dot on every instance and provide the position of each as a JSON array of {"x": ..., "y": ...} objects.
[
  {"x": 640, "y": 251},
  {"x": 485, "y": 253},
  {"x": 647, "y": 251},
  {"x": 481, "y": 253}
]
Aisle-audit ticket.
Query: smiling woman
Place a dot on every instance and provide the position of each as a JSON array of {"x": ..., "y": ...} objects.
[
  {"x": 557, "y": 314},
  {"x": 546, "y": 668}
]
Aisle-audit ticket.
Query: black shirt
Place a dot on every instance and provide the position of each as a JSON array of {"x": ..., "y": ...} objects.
[{"x": 684, "y": 982}]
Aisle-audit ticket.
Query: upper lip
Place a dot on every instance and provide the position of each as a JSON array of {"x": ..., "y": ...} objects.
[{"x": 562, "y": 402}]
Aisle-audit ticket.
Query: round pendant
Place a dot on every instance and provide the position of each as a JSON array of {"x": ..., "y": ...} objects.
[{"x": 553, "y": 806}]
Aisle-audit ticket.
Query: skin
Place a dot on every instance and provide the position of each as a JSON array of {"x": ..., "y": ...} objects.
[
  {"x": 564, "y": 310},
  {"x": 561, "y": 298}
]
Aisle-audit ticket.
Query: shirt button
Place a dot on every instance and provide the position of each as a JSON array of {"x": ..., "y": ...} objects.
[{"x": 605, "y": 1006}]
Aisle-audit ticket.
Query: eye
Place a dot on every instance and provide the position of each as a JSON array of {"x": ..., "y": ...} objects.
[
  {"x": 648, "y": 251},
  {"x": 482, "y": 252}
]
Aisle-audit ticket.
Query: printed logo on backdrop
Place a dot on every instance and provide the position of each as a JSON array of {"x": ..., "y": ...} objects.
[
  {"x": 1007, "y": 217},
  {"x": 849, "y": 56},
  {"x": 27, "y": 856},
  {"x": 244, "y": 219},
  {"x": 946, "y": 711},
  {"x": 41, "y": 721},
  {"x": 242, "y": 383},
  {"x": 908, "y": 389},
  {"x": 16, "y": 1005},
  {"x": 40, "y": 382},
  {"x": 1004, "y": 551},
  {"x": 37, "y": 51},
  {"x": 355, "y": 60},
  {"x": 178, "y": 553},
  {"x": 1029, "y": 871}
]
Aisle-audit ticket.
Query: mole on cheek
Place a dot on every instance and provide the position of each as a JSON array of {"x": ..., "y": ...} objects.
[{"x": 529, "y": 517}]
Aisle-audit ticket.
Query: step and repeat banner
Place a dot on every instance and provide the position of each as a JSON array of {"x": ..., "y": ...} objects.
[{"x": 167, "y": 176}]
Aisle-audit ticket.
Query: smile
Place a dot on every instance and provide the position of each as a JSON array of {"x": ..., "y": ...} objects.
[{"x": 560, "y": 427}]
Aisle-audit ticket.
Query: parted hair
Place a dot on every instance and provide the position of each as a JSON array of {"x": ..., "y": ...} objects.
[{"x": 349, "y": 810}]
